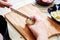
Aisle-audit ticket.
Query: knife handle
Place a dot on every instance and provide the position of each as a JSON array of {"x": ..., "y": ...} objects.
[{"x": 7, "y": 6}]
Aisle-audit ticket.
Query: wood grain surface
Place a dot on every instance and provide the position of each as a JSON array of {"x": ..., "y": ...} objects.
[{"x": 18, "y": 21}]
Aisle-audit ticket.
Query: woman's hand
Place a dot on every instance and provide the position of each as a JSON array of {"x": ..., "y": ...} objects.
[
  {"x": 4, "y": 3},
  {"x": 39, "y": 29}
]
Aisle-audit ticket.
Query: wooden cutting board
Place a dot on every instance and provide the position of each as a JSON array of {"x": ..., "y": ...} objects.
[{"x": 18, "y": 21}]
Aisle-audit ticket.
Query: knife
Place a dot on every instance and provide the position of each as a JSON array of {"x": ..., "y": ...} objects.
[{"x": 29, "y": 20}]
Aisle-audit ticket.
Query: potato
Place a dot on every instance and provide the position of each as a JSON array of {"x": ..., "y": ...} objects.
[{"x": 29, "y": 21}]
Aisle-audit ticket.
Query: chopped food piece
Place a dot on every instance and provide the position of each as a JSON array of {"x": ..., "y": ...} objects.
[{"x": 30, "y": 21}]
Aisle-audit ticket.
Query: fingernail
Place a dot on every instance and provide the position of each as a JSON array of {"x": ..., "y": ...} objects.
[{"x": 10, "y": 4}]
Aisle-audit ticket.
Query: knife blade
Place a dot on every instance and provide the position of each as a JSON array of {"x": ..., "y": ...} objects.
[
  {"x": 16, "y": 11},
  {"x": 28, "y": 20}
]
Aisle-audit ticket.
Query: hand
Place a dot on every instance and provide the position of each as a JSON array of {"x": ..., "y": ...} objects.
[
  {"x": 4, "y": 3},
  {"x": 39, "y": 28}
]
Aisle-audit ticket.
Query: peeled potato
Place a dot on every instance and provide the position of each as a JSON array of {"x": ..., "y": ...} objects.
[{"x": 29, "y": 21}]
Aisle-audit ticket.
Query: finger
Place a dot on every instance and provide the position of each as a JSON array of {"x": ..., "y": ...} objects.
[
  {"x": 4, "y": 0},
  {"x": 5, "y": 3},
  {"x": 2, "y": 6}
]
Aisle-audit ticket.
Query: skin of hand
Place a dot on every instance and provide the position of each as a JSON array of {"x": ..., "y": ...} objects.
[
  {"x": 39, "y": 28},
  {"x": 4, "y": 3},
  {"x": 1, "y": 37}
]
